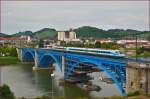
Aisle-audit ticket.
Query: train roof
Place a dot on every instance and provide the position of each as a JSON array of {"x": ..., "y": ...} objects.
[{"x": 95, "y": 49}]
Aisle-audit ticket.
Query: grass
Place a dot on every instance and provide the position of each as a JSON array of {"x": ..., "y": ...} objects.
[{"x": 8, "y": 60}]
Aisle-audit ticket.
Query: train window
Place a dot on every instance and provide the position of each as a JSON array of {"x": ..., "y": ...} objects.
[{"x": 118, "y": 52}]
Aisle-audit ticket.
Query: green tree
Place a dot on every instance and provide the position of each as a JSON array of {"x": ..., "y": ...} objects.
[
  {"x": 97, "y": 45},
  {"x": 8, "y": 51},
  {"x": 149, "y": 38},
  {"x": 63, "y": 43},
  {"x": 140, "y": 50},
  {"x": 89, "y": 45},
  {"x": 13, "y": 52},
  {"x": 6, "y": 93},
  {"x": 41, "y": 44}
]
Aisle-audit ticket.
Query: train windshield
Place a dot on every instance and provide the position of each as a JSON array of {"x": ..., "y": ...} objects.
[{"x": 118, "y": 52}]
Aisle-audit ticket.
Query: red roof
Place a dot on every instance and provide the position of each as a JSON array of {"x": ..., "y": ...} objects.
[
  {"x": 2, "y": 38},
  {"x": 12, "y": 38}
]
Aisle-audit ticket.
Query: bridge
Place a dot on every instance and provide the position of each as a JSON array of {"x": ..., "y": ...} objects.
[{"x": 75, "y": 66}]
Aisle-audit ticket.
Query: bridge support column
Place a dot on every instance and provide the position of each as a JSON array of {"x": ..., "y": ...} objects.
[
  {"x": 36, "y": 61},
  {"x": 63, "y": 66},
  {"x": 137, "y": 77},
  {"x": 19, "y": 52}
]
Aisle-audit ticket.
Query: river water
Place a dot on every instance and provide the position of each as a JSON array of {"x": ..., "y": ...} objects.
[{"x": 25, "y": 82}]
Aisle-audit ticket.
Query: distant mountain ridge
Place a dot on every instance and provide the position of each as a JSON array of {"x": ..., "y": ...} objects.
[
  {"x": 3, "y": 35},
  {"x": 29, "y": 33},
  {"x": 85, "y": 32}
]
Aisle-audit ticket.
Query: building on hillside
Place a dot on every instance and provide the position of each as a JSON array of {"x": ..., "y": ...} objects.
[
  {"x": 26, "y": 37},
  {"x": 104, "y": 40},
  {"x": 49, "y": 43},
  {"x": 67, "y": 36},
  {"x": 61, "y": 36},
  {"x": 72, "y": 35},
  {"x": 2, "y": 41},
  {"x": 13, "y": 41},
  {"x": 132, "y": 43}
]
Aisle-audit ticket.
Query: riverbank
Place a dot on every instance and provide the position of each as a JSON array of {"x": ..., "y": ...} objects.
[
  {"x": 132, "y": 95},
  {"x": 113, "y": 97},
  {"x": 8, "y": 60}
]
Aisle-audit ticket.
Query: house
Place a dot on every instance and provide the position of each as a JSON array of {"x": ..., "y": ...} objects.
[
  {"x": 104, "y": 40},
  {"x": 132, "y": 43}
]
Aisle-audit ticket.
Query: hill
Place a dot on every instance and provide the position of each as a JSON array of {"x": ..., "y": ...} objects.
[
  {"x": 3, "y": 35},
  {"x": 46, "y": 33},
  {"x": 28, "y": 33},
  {"x": 87, "y": 32}
]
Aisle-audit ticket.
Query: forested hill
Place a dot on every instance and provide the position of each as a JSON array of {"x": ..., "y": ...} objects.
[
  {"x": 87, "y": 32},
  {"x": 3, "y": 35},
  {"x": 46, "y": 33},
  {"x": 29, "y": 33}
]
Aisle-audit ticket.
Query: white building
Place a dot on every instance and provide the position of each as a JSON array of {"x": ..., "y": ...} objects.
[
  {"x": 145, "y": 42},
  {"x": 28, "y": 38},
  {"x": 132, "y": 43},
  {"x": 61, "y": 36},
  {"x": 67, "y": 36}
]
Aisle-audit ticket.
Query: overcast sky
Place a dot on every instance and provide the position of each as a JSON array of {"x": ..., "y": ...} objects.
[{"x": 62, "y": 15}]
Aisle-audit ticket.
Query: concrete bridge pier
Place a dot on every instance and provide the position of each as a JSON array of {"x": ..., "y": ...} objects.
[
  {"x": 35, "y": 67},
  {"x": 138, "y": 77},
  {"x": 63, "y": 65},
  {"x": 19, "y": 52}
]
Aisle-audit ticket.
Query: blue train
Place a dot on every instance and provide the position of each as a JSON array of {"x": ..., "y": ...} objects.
[{"x": 94, "y": 51}]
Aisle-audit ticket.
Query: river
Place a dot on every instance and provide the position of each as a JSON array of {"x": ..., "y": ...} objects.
[{"x": 25, "y": 82}]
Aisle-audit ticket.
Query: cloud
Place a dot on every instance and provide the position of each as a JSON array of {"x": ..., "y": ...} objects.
[{"x": 34, "y": 15}]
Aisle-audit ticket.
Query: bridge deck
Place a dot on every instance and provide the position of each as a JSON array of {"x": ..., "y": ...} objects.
[{"x": 86, "y": 53}]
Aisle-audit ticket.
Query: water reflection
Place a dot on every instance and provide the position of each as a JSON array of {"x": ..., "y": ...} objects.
[{"x": 25, "y": 82}]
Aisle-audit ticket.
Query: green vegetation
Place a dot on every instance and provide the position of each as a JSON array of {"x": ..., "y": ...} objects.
[
  {"x": 8, "y": 55},
  {"x": 110, "y": 45},
  {"x": 32, "y": 44},
  {"x": 8, "y": 60},
  {"x": 29, "y": 33},
  {"x": 142, "y": 52},
  {"x": 87, "y": 32},
  {"x": 147, "y": 95},
  {"x": 41, "y": 44},
  {"x": 135, "y": 93},
  {"x": 6, "y": 93},
  {"x": 3, "y": 35},
  {"x": 97, "y": 45},
  {"x": 113, "y": 97},
  {"x": 8, "y": 51},
  {"x": 46, "y": 33}
]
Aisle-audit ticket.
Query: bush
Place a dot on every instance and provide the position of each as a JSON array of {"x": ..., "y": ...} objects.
[
  {"x": 135, "y": 93},
  {"x": 116, "y": 97},
  {"x": 43, "y": 97},
  {"x": 8, "y": 51},
  {"x": 147, "y": 95},
  {"x": 6, "y": 93}
]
